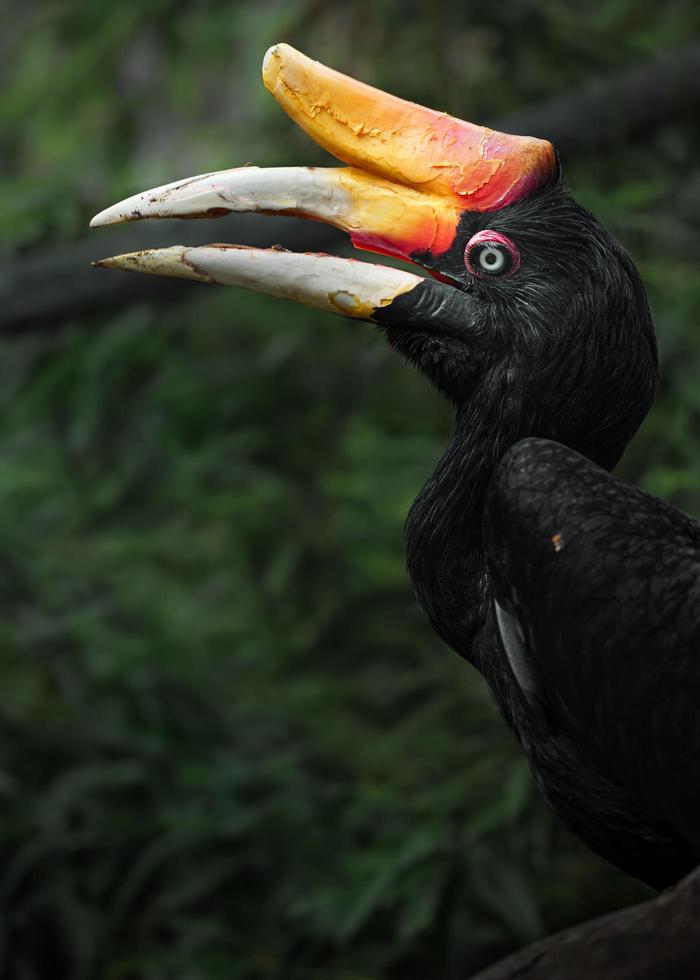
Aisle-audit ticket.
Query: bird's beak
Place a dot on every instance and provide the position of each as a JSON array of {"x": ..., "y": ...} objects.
[{"x": 411, "y": 173}]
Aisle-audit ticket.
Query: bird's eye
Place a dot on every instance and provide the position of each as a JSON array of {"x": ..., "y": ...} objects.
[{"x": 489, "y": 253}]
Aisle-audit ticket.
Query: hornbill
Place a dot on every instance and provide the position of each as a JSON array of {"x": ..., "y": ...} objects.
[{"x": 576, "y": 595}]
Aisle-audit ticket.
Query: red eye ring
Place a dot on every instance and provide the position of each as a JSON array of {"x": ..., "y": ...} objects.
[{"x": 489, "y": 254}]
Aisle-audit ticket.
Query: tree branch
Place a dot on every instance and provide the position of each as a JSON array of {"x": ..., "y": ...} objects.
[
  {"x": 615, "y": 109},
  {"x": 658, "y": 938}
]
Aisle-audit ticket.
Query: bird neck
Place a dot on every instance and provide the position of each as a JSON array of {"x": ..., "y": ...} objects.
[{"x": 444, "y": 544}]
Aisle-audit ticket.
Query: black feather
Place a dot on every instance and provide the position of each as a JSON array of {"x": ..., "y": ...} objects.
[{"x": 575, "y": 595}]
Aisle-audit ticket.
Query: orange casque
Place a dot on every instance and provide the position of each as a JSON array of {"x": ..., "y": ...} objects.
[{"x": 435, "y": 166}]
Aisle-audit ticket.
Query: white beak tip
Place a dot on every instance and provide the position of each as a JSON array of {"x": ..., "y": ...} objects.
[
  {"x": 100, "y": 219},
  {"x": 170, "y": 261},
  {"x": 114, "y": 215},
  {"x": 271, "y": 56}
]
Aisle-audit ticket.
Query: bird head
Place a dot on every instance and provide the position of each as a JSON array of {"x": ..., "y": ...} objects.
[{"x": 530, "y": 310}]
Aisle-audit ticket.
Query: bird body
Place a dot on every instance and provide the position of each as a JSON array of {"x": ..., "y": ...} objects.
[
  {"x": 575, "y": 595},
  {"x": 604, "y": 582}
]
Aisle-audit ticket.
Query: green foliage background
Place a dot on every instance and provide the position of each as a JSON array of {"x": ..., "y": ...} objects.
[{"x": 230, "y": 746}]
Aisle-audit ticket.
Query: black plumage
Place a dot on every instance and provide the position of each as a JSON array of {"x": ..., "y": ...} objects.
[
  {"x": 576, "y": 595},
  {"x": 602, "y": 582}
]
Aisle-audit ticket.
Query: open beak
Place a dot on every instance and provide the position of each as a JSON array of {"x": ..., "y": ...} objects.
[{"x": 411, "y": 173}]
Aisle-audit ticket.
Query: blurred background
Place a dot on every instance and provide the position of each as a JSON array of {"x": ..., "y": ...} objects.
[{"x": 230, "y": 747}]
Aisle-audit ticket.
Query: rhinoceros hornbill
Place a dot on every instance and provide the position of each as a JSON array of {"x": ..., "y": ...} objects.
[{"x": 576, "y": 595}]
